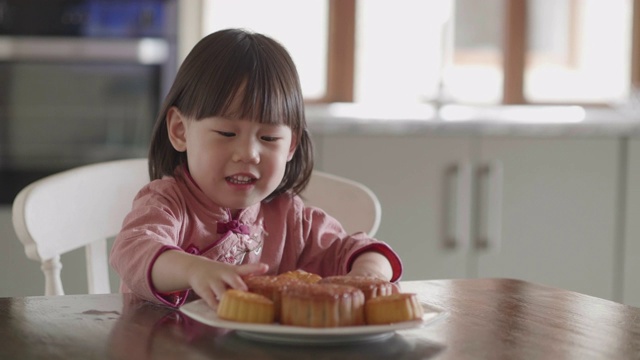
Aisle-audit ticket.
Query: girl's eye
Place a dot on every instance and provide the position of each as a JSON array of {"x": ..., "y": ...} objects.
[
  {"x": 226, "y": 134},
  {"x": 270, "y": 138}
]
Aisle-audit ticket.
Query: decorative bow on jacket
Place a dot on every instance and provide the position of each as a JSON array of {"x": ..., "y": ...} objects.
[{"x": 234, "y": 226}]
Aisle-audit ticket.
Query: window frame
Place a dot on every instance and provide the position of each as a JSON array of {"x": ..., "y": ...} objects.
[
  {"x": 635, "y": 45},
  {"x": 341, "y": 52}
]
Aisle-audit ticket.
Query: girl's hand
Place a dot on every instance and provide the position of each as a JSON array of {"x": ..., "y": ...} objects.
[
  {"x": 368, "y": 273},
  {"x": 177, "y": 270},
  {"x": 210, "y": 279},
  {"x": 371, "y": 264},
  {"x": 360, "y": 272}
]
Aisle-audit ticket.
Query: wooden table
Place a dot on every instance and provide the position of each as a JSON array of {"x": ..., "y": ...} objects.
[{"x": 487, "y": 319}]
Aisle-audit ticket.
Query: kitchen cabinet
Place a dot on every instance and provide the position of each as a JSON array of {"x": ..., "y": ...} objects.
[
  {"x": 408, "y": 174},
  {"x": 559, "y": 203},
  {"x": 631, "y": 284},
  {"x": 538, "y": 209}
]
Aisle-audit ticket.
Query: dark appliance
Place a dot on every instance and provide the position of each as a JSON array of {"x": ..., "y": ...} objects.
[{"x": 81, "y": 81}]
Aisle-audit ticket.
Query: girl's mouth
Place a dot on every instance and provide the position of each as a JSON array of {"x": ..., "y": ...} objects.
[{"x": 240, "y": 179}]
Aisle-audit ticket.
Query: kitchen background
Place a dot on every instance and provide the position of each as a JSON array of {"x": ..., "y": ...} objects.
[{"x": 503, "y": 148}]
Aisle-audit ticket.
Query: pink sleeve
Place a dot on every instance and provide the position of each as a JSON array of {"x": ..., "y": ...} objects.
[
  {"x": 151, "y": 228},
  {"x": 329, "y": 250},
  {"x": 384, "y": 249}
]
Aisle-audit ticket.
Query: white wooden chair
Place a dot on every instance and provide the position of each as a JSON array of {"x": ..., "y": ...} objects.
[
  {"x": 350, "y": 202},
  {"x": 85, "y": 206},
  {"x": 80, "y": 207}
]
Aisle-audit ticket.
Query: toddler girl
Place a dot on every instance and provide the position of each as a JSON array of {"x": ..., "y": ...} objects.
[{"x": 230, "y": 152}]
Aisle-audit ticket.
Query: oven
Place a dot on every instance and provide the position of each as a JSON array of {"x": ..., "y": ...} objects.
[{"x": 81, "y": 81}]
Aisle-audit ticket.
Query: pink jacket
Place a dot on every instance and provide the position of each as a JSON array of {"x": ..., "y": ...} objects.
[{"x": 172, "y": 213}]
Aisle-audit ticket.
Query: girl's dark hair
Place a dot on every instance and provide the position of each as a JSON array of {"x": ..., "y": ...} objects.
[{"x": 221, "y": 65}]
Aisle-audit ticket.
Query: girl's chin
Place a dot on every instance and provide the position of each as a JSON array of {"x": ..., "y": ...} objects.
[
  {"x": 241, "y": 201},
  {"x": 236, "y": 206}
]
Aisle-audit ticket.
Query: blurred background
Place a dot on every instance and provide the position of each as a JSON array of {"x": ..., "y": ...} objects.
[{"x": 81, "y": 81}]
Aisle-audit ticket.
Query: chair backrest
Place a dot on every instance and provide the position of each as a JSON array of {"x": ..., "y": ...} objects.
[
  {"x": 350, "y": 202},
  {"x": 80, "y": 207},
  {"x": 85, "y": 206}
]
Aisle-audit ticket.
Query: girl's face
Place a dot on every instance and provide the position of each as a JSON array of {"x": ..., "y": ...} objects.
[{"x": 236, "y": 163}]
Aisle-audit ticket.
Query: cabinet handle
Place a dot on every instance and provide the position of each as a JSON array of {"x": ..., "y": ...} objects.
[
  {"x": 490, "y": 200},
  {"x": 457, "y": 205}
]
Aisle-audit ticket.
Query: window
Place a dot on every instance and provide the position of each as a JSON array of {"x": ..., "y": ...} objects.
[
  {"x": 461, "y": 51},
  {"x": 475, "y": 69},
  {"x": 402, "y": 50},
  {"x": 299, "y": 25},
  {"x": 579, "y": 51}
]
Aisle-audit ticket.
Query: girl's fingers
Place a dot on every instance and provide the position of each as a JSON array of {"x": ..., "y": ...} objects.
[
  {"x": 218, "y": 288},
  {"x": 228, "y": 277},
  {"x": 252, "y": 269},
  {"x": 235, "y": 282},
  {"x": 395, "y": 288},
  {"x": 209, "y": 297},
  {"x": 234, "y": 279}
]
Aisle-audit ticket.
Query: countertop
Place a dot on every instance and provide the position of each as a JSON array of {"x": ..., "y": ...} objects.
[{"x": 520, "y": 120}]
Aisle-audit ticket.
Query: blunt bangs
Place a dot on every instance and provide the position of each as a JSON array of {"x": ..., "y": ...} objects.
[{"x": 254, "y": 79}]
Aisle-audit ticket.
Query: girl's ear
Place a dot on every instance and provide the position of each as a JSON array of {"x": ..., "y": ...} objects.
[
  {"x": 176, "y": 127},
  {"x": 292, "y": 147}
]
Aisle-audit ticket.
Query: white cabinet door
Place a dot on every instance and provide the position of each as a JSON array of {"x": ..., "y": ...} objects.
[
  {"x": 553, "y": 202},
  {"x": 631, "y": 283},
  {"x": 558, "y": 215},
  {"x": 414, "y": 179}
]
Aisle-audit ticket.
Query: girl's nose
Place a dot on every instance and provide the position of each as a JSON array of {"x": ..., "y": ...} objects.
[{"x": 248, "y": 152}]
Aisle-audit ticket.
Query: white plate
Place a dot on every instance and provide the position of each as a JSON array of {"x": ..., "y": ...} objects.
[{"x": 284, "y": 334}]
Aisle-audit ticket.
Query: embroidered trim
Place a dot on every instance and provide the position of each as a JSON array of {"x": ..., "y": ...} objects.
[
  {"x": 248, "y": 243},
  {"x": 250, "y": 239}
]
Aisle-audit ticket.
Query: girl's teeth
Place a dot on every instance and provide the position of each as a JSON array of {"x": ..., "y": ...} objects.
[{"x": 240, "y": 179}]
